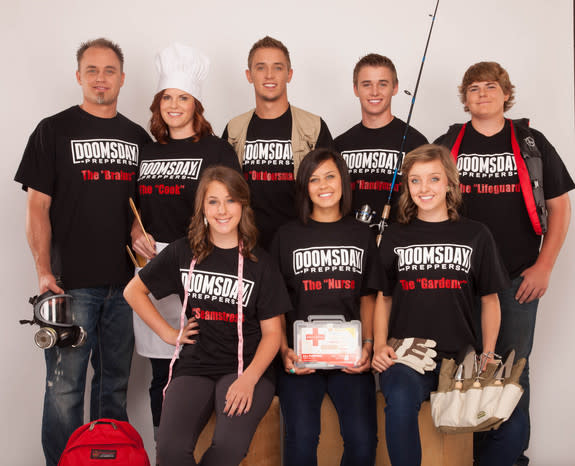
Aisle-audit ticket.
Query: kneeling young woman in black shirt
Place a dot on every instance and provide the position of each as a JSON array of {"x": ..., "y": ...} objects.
[
  {"x": 435, "y": 264},
  {"x": 329, "y": 261},
  {"x": 233, "y": 297}
]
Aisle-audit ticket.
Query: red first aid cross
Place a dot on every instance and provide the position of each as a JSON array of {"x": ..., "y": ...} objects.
[{"x": 315, "y": 336}]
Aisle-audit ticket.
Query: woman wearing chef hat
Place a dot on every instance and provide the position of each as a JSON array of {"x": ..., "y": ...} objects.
[{"x": 168, "y": 178}]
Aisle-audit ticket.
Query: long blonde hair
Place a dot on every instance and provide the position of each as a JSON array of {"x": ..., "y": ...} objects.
[{"x": 429, "y": 153}]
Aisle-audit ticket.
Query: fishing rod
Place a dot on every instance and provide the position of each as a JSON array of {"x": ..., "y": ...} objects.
[{"x": 387, "y": 208}]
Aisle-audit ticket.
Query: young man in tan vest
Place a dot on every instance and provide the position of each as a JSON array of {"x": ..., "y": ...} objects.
[{"x": 273, "y": 138}]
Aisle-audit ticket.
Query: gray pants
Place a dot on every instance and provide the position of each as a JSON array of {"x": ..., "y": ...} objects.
[{"x": 189, "y": 403}]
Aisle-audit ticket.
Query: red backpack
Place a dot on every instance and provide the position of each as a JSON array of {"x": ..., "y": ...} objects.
[{"x": 116, "y": 442}]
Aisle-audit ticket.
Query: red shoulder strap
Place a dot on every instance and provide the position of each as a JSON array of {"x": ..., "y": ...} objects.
[
  {"x": 525, "y": 183},
  {"x": 457, "y": 144}
]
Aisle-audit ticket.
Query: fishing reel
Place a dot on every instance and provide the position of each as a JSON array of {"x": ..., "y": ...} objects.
[
  {"x": 367, "y": 215},
  {"x": 52, "y": 312}
]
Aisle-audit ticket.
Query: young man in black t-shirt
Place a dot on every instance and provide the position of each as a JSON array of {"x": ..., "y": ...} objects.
[
  {"x": 512, "y": 180},
  {"x": 80, "y": 168},
  {"x": 273, "y": 138},
  {"x": 371, "y": 148}
]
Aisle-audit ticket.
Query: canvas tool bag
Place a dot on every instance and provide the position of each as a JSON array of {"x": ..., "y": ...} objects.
[{"x": 475, "y": 408}]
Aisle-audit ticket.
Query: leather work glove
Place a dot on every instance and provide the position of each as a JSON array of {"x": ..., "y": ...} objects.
[{"x": 416, "y": 353}]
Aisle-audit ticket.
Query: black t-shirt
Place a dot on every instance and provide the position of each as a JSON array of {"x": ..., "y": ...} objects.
[
  {"x": 371, "y": 156},
  {"x": 212, "y": 301},
  {"x": 88, "y": 166},
  {"x": 269, "y": 169},
  {"x": 327, "y": 267},
  {"x": 492, "y": 194},
  {"x": 433, "y": 271},
  {"x": 168, "y": 179}
]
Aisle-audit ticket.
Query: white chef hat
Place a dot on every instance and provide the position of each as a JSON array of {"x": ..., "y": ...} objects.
[{"x": 182, "y": 67}]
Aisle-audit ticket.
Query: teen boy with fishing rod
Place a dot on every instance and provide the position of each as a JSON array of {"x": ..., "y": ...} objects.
[{"x": 371, "y": 148}]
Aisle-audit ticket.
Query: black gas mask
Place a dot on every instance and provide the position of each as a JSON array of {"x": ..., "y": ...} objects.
[{"x": 52, "y": 312}]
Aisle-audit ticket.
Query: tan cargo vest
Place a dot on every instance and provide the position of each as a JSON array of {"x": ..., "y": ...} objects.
[{"x": 305, "y": 131}]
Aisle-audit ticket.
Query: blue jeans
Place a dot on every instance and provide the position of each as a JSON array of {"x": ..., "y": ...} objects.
[
  {"x": 405, "y": 389},
  {"x": 107, "y": 319},
  {"x": 516, "y": 332},
  {"x": 353, "y": 396}
]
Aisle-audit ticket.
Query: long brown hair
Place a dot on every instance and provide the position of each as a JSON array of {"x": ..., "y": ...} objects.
[
  {"x": 429, "y": 153},
  {"x": 306, "y": 168},
  {"x": 160, "y": 130},
  {"x": 198, "y": 232}
]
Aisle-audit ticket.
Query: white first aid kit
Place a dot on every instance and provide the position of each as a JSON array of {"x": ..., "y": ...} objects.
[{"x": 327, "y": 342}]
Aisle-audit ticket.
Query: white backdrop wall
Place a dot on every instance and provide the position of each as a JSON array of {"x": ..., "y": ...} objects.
[{"x": 532, "y": 39}]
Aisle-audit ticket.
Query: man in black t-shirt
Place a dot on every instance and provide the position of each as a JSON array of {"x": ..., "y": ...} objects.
[
  {"x": 371, "y": 148},
  {"x": 512, "y": 180},
  {"x": 79, "y": 169},
  {"x": 273, "y": 138}
]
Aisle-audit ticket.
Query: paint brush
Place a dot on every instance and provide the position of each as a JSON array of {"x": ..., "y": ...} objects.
[
  {"x": 132, "y": 256},
  {"x": 137, "y": 215}
]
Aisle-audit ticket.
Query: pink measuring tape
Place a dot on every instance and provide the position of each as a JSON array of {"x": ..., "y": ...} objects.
[{"x": 240, "y": 314}]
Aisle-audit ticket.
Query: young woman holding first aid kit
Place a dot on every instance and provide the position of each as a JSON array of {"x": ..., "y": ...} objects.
[
  {"x": 435, "y": 264},
  {"x": 331, "y": 284},
  {"x": 233, "y": 297}
]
